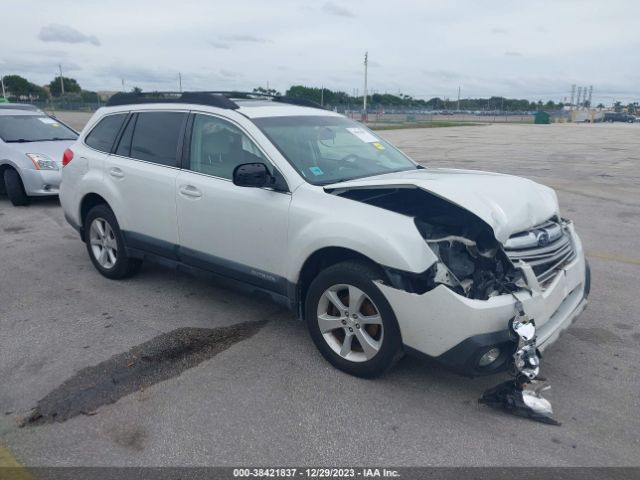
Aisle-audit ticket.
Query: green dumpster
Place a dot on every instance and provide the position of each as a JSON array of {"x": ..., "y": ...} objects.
[{"x": 542, "y": 118}]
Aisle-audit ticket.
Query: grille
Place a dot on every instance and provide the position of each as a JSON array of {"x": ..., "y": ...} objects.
[{"x": 546, "y": 248}]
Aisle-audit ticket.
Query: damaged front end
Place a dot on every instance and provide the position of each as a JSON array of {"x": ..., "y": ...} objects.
[
  {"x": 472, "y": 262},
  {"x": 522, "y": 396},
  {"x": 474, "y": 265}
]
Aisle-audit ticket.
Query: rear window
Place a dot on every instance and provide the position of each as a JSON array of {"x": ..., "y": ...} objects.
[
  {"x": 156, "y": 136},
  {"x": 33, "y": 128},
  {"x": 104, "y": 133}
]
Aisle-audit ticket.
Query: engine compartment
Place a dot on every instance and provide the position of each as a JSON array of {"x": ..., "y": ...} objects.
[{"x": 472, "y": 262}]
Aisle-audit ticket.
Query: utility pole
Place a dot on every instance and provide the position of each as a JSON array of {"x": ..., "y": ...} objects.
[
  {"x": 458, "y": 99},
  {"x": 2, "y": 81},
  {"x": 573, "y": 94},
  {"x": 61, "y": 81},
  {"x": 578, "y": 98},
  {"x": 322, "y": 96},
  {"x": 364, "y": 100},
  {"x": 180, "y": 81}
]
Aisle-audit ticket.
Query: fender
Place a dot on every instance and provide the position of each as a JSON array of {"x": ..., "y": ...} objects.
[{"x": 319, "y": 219}]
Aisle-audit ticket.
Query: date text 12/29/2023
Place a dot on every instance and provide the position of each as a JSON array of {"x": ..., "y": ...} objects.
[{"x": 316, "y": 472}]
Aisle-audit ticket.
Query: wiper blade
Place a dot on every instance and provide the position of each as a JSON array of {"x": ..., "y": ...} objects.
[{"x": 19, "y": 140}]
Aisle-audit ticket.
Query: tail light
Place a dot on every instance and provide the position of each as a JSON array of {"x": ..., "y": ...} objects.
[{"x": 67, "y": 157}]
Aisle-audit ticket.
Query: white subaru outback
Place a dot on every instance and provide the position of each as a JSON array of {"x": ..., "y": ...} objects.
[{"x": 379, "y": 255}]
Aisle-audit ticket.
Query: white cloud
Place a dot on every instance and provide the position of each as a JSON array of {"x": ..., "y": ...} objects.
[
  {"x": 65, "y": 34},
  {"x": 423, "y": 48},
  {"x": 333, "y": 9}
]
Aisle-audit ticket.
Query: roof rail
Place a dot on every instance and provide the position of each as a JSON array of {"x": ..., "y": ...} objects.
[
  {"x": 220, "y": 99},
  {"x": 201, "y": 98},
  {"x": 303, "y": 102}
]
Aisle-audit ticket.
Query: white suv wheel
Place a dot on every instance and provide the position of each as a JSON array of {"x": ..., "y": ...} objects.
[
  {"x": 350, "y": 323},
  {"x": 104, "y": 245}
]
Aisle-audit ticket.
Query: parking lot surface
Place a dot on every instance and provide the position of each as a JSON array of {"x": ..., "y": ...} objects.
[{"x": 261, "y": 394}]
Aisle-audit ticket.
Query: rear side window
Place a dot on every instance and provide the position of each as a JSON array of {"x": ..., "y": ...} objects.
[
  {"x": 124, "y": 147},
  {"x": 156, "y": 136},
  {"x": 104, "y": 133}
]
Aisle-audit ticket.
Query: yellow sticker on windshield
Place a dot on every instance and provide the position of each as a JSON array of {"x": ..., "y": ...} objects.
[{"x": 378, "y": 145}]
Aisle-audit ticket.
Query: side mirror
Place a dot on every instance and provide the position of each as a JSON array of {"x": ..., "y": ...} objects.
[{"x": 251, "y": 175}]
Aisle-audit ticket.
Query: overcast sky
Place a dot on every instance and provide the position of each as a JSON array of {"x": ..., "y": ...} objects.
[{"x": 533, "y": 49}]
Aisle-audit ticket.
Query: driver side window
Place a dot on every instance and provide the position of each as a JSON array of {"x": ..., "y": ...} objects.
[{"x": 218, "y": 147}]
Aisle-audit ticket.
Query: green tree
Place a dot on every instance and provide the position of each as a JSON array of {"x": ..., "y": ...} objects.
[
  {"x": 267, "y": 91},
  {"x": 89, "y": 96},
  {"x": 70, "y": 86},
  {"x": 18, "y": 86},
  {"x": 136, "y": 90}
]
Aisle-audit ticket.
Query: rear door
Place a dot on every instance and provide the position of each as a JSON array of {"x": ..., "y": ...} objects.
[{"x": 141, "y": 174}]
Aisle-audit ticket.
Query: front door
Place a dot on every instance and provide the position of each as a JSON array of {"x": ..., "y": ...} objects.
[{"x": 238, "y": 232}]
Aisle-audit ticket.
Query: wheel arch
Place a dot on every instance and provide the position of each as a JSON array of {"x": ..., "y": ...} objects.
[
  {"x": 320, "y": 260},
  {"x": 4, "y": 166},
  {"x": 89, "y": 201}
]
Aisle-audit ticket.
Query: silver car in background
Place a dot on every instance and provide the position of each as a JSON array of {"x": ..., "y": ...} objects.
[{"x": 31, "y": 148}]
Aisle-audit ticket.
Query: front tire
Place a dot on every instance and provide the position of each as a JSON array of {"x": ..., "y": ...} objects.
[
  {"x": 350, "y": 320},
  {"x": 105, "y": 244},
  {"x": 15, "y": 188}
]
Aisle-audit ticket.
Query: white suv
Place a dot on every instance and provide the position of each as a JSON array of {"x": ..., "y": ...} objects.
[{"x": 378, "y": 254}]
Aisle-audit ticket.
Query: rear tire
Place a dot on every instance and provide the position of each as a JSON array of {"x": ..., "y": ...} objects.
[
  {"x": 106, "y": 246},
  {"x": 351, "y": 321},
  {"x": 14, "y": 188}
]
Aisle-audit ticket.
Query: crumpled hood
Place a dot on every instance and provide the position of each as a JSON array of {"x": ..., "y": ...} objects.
[
  {"x": 506, "y": 203},
  {"x": 53, "y": 150}
]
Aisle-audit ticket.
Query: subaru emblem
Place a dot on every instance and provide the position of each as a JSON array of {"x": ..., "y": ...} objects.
[{"x": 543, "y": 239}]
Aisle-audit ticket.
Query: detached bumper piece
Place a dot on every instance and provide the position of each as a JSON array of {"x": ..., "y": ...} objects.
[
  {"x": 516, "y": 396},
  {"x": 520, "y": 401}
]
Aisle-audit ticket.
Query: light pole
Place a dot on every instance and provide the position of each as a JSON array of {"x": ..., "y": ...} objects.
[
  {"x": 61, "y": 81},
  {"x": 364, "y": 98}
]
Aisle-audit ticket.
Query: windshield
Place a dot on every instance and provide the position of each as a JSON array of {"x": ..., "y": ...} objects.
[
  {"x": 33, "y": 128},
  {"x": 332, "y": 149}
]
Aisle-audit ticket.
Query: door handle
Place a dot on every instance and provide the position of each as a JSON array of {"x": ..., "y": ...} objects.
[
  {"x": 115, "y": 172},
  {"x": 190, "y": 191}
]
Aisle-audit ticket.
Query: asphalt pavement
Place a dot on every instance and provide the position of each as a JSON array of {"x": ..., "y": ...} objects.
[{"x": 268, "y": 397}]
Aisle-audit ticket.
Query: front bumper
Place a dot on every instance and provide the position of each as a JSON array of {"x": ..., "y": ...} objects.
[
  {"x": 457, "y": 331},
  {"x": 41, "y": 182}
]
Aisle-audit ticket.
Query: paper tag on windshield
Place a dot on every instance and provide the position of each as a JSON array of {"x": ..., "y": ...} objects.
[
  {"x": 48, "y": 120},
  {"x": 362, "y": 134}
]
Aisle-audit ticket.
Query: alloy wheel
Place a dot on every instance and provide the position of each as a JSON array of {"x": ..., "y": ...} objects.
[
  {"x": 103, "y": 243},
  {"x": 350, "y": 323}
]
